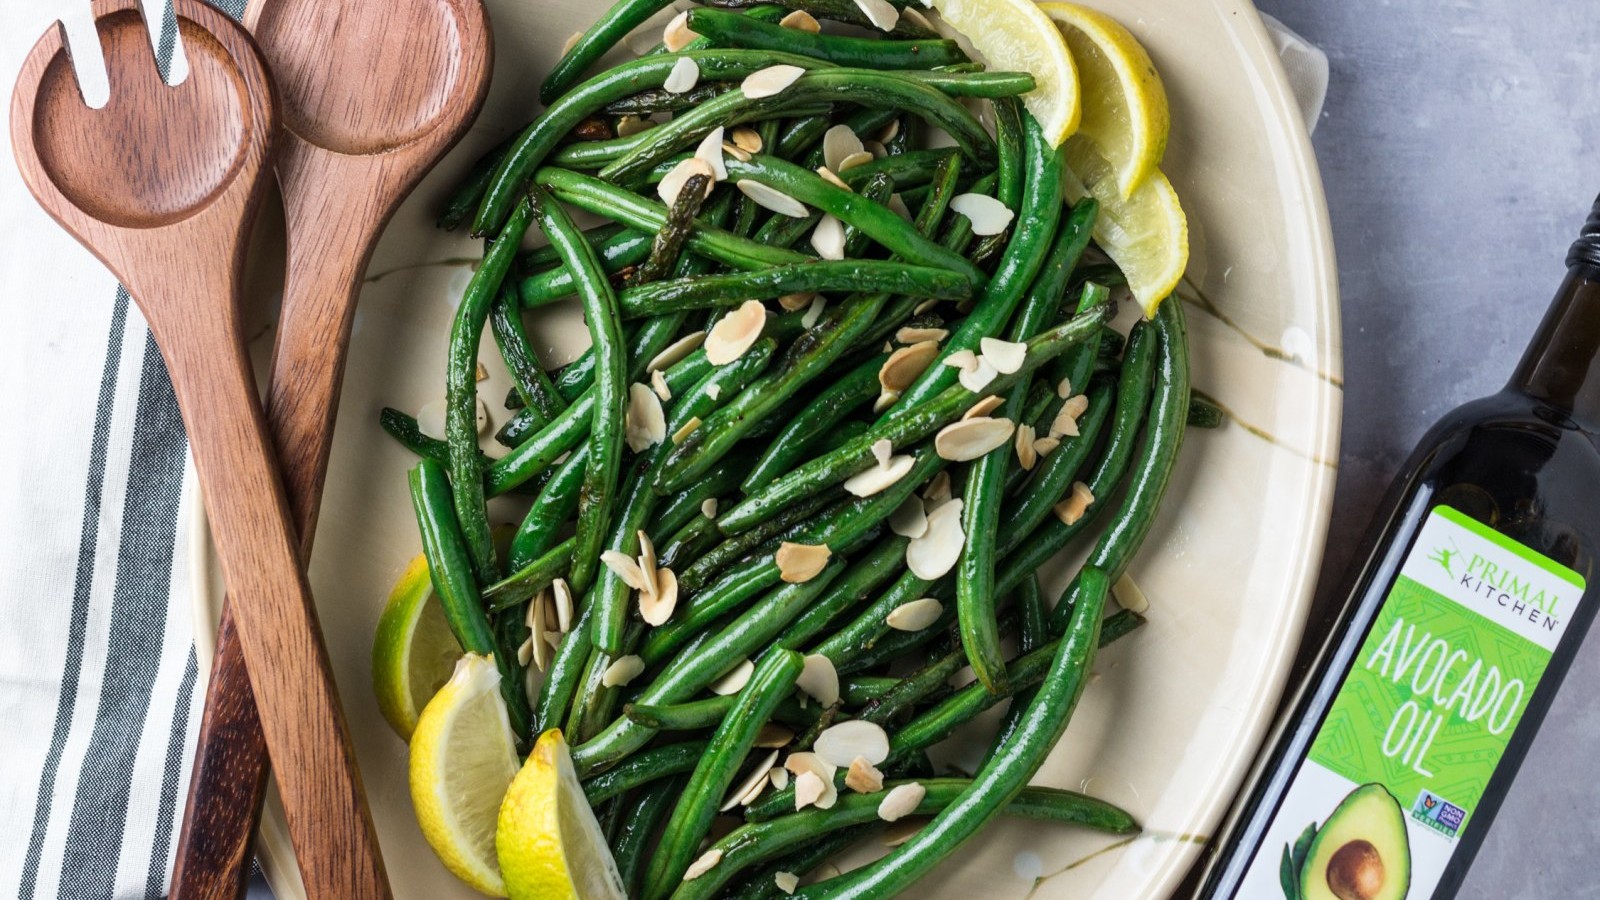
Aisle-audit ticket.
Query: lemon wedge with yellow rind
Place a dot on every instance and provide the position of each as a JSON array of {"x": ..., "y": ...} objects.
[
  {"x": 550, "y": 846},
  {"x": 1014, "y": 36},
  {"x": 463, "y": 758},
  {"x": 1124, "y": 104},
  {"x": 1146, "y": 235},
  {"x": 413, "y": 649}
]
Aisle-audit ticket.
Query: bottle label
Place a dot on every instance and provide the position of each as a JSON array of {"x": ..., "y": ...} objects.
[{"x": 1421, "y": 720}]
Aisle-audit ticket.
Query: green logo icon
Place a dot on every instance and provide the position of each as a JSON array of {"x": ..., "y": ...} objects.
[{"x": 1446, "y": 558}]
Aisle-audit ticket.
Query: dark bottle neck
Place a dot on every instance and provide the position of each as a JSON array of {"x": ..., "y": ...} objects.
[{"x": 1561, "y": 366}]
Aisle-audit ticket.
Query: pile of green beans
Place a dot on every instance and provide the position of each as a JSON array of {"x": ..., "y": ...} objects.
[{"x": 752, "y": 454}]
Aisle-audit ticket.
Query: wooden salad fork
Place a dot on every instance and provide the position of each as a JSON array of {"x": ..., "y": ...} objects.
[
  {"x": 162, "y": 185},
  {"x": 371, "y": 96}
]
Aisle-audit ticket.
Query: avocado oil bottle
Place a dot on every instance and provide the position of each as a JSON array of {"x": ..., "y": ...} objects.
[{"x": 1471, "y": 599}]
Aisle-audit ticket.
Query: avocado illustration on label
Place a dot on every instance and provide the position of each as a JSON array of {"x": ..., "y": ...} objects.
[{"x": 1360, "y": 853}]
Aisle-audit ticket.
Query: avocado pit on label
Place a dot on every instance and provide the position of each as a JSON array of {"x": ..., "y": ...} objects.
[{"x": 1356, "y": 871}]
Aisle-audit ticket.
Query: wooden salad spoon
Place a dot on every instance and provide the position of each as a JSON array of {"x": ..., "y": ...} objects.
[
  {"x": 371, "y": 96},
  {"x": 162, "y": 185}
]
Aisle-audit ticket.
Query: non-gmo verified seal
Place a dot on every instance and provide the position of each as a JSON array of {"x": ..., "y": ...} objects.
[{"x": 1438, "y": 813}]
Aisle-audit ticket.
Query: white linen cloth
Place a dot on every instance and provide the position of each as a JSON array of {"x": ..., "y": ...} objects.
[{"x": 98, "y": 699}]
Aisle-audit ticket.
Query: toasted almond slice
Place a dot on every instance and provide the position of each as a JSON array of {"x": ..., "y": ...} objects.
[
  {"x": 924, "y": 306},
  {"x": 1129, "y": 596},
  {"x": 799, "y": 563},
  {"x": 962, "y": 360},
  {"x": 811, "y": 316},
  {"x": 1076, "y": 503},
  {"x": 839, "y": 143},
  {"x": 983, "y": 407},
  {"x": 1064, "y": 388},
  {"x": 684, "y": 76},
  {"x": 881, "y": 13},
  {"x": 622, "y": 671},
  {"x": 897, "y": 205},
  {"x": 936, "y": 552},
  {"x": 828, "y": 238},
  {"x": 808, "y": 789},
  {"x": 885, "y": 400},
  {"x": 786, "y": 881},
  {"x": 714, "y": 391},
  {"x": 770, "y": 81},
  {"x": 645, "y": 424},
  {"x": 571, "y": 42},
  {"x": 561, "y": 592},
  {"x": 979, "y": 377},
  {"x": 937, "y": 491},
  {"x": 882, "y": 450},
  {"x": 905, "y": 365},
  {"x": 735, "y": 332},
  {"x": 888, "y": 132},
  {"x": 916, "y": 615},
  {"x": 841, "y": 744},
  {"x": 688, "y": 428},
  {"x": 746, "y": 138},
  {"x": 969, "y": 439},
  {"x": 808, "y": 761},
  {"x": 773, "y": 199},
  {"x": 819, "y": 679},
  {"x": 1065, "y": 423},
  {"x": 879, "y": 478},
  {"x": 533, "y": 609},
  {"x": 914, "y": 335},
  {"x": 796, "y": 302},
  {"x": 1045, "y": 446},
  {"x": 779, "y": 778},
  {"x": 876, "y": 148},
  {"x": 710, "y": 150},
  {"x": 676, "y": 351},
  {"x": 987, "y": 215},
  {"x": 626, "y": 568},
  {"x": 773, "y": 735},
  {"x": 672, "y": 184},
  {"x": 853, "y": 160},
  {"x": 918, "y": 18},
  {"x": 905, "y": 829},
  {"x": 657, "y": 608},
  {"x": 658, "y": 383},
  {"x": 736, "y": 152},
  {"x": 647, "y": 563},
  {"x": 708, "y": 507},
  {"x": 754, "y": 792},
  {"x": 538, "y": 650},
  {"x": 863, "y": 777},
  {"x": 909, "y": 519},
  {"x": 482, "y": 374},
  {"x": 677, "y": 34},
  {"x": 832, "y": 177},
  {"x": 525, "y": 652},
  {"x": 628, "y": 126},
  {"x": 1027, "y": 456},
  {"x": 1006, "y": 356},
  {"x": 756, "y": 779},
  {"x": 553, "y": 638},
  {"x": 707, "y": 861},
  {"x": 901, "y": 801},
  {"x": 735, "y": 679}
]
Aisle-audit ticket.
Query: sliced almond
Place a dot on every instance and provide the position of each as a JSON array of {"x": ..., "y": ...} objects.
[
  {"x": 714, "y": 391},
  {"x": 645, "y": 424},
  {"x": 1129, "y": 596},
  {"x": 888, "y": 132},
  {"x": 853, "y": 160},
  {"x": 628, "y": 126},
  {"x": 754, "y": 792},
  {"x": 647, "y": 563},
  {"x": 905, "y": 365},
  {"x": 905, "y": 829},
  {"x": 819, "y": 679},
  {"x": 705, "y": 863},
  {"x": 677, "y": 35},
  {"x": 710, "y": 150},
  {"x": 808, "y": 788},
  {"x": 553, "y": 639},
  {"x": 914, "y": 335},
  {"x": 828, "y": 238},
  {"x": 779, "y": 778},
  {"x": 482, "y": 374},
  {"x": 657, "y": 608},
  {"x": 756, "y": 779},
  {"x": 1027, "y": 456},
  {"x": 935, "y": 553},
  {"x": 876, "y": 148},
  {"x": 987, "y": 215},
  {"x": 1065, "y": 423},
  {"x": 885, "y": 400},
  {"x": 773, "y": 735},
  {"x": 786, "y": 881},
  {"x": 814, "y": 313},
  {"x": 983, "y": 407},
  {"x": 525, "y": 652},
  {"x": 796, "y": 302},
  {"x": 803, "y": 764},
  {"x": 746, "y": 138},
  {"x": 916, "y": 615},
  {"x": 626, "y": 568},
  {"x": 622, "y": 671},
  {"x": 962, "y": 360},
  {"x": 901, "y": 801},
  {"x": 918, "y": 18},
  {"x": 538, "y": 650},
  {"x": 879, "y": 478},
  {"x": 882, "y": 451},
  {"x": 897, "y": 205},
  {"x": 561, "y": 592},
  {"x": 735, "y": 332},
  {"x": 863, "y": 777},
  {"x": 676, "y": 351},
  {"x": 1007, "y": 357},
  {"x": 672, "y": 184},
  {"x": 773, "y": 199},
  {"x": 735, "y": 680},
  {"x": 533, "y": 610},
  {"x": 979, "y": 377},
  {"x": 881, "y": 13},
  {"x": 841, "y": 744},
  {"x": 1045, "y": 446},
  {"x": 969, "y": 439},
  {"x": 1075, "y": 504},
  {"x": 839, "y": 143},
  {"x": 799, "y": 563},
  {"x": 688, "y": 428},
  {"x": 684, "y": 76},
  {"x": 1064, "y": 388},
  {"x": 938, "y": 490},
  {"x": 708, "y": 507},
  {"x": 832, "y": 177},
  {"x": 658, "y": 383},
  {"x": 736, "y": 152},
  {"x": 910, "y": 519},
  {"x": 925, "y": 306},
  {"x": 571, "y": 42},
  {"x": 770, "y": 81}
]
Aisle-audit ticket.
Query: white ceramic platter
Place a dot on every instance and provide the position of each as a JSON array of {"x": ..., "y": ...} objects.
[{"x": 1175, "y": 712}]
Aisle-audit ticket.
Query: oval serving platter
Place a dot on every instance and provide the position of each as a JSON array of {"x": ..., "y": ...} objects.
[{"x": 1174, "y": 713}]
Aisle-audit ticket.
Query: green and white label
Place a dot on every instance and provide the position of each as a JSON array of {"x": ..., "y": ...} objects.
[{"x": 1421, "y": 721}]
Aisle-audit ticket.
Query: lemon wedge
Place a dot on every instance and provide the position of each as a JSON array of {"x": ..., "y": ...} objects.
[
  {"x": 1124, "y": 105},
  {"x": 1146, "y": 235},
  {"x": 550, "y": 846},
  {"x": 1014, "y": 36},
  {"x": 463, "y": 758},
  {"x": 413, "y": 650}
]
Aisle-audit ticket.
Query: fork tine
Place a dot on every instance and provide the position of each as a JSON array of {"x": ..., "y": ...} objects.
[
  {"x": 78, "y": 34},
  {"x": 166, "y": 41}
]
